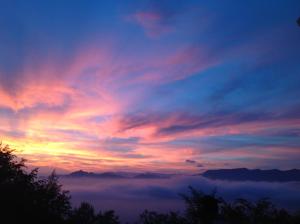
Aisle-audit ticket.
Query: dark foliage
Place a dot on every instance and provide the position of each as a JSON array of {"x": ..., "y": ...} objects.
[
  {"x": 209, "y": 209},
  {"x": 148, "y": 217},
  {"x": 202, "y": 208},
  {"x": 263, "y": 211},
  {"x": 24, "y": 198},
  {"x": 85, "y": 214}
]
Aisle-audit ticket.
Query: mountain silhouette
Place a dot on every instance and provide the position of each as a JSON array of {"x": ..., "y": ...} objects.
[
  {"x": 81, "y": 173},
  {"x": 153, "y": 175},
  {"x": 243, "y": 174},
  {"x": 147, "y": 175}
]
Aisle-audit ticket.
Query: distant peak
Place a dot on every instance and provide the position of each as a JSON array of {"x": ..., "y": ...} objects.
[
  {"x": 244, "y": 174},
  {"x": 146, "y": 175},
  {"x": 79, "y": 173}
]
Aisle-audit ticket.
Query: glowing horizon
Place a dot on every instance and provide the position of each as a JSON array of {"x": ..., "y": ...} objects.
[{"x": 169, "y": 86}]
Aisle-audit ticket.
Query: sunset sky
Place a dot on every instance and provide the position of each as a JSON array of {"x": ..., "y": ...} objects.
[{"x": 169, "y": 86}]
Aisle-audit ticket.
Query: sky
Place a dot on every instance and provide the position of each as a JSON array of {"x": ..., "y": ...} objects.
[{"x": 168, "y": 86}]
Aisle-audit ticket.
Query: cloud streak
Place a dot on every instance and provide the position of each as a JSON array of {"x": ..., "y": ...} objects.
[{"x": 87, "y": 89}]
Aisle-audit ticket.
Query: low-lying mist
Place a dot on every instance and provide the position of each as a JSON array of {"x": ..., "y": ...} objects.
[{"x": 129, "y": 197}]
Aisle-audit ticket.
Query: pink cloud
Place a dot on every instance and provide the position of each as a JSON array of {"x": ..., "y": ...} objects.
[
  {"x": 83, "y": 96},
  {"x": 178, "y": 125},
  {"x": 154, "y": 23}
]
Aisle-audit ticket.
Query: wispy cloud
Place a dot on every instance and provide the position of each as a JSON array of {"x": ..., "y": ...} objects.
[{"x": 89, "y": 89}]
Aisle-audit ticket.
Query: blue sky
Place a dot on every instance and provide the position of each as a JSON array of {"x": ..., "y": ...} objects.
[{"x": 147, "y": 85}]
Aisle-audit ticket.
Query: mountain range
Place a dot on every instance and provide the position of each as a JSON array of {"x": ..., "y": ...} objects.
[
  {"x": 239, "y": 174},
  {"x": 243, "y": 174},
  {"x": 147, "y": 175}
]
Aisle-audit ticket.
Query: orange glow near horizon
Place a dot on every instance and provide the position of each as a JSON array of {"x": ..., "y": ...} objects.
[{"x": 148, "y": 89}]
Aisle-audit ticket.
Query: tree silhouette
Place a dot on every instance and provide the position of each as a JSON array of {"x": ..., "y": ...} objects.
[
  {"x": 24, "y": 198},
  {"x": 237, "y": 212},
  {"x": 107, "y": 217},
  {"x": 148, "y": 217},
  {"x": 32, "y": 199},
  {"x": 202, "y": 208},
  {"x": 262, "y": 212},
  {"x": 209, "y": 209},
  {"x": 85, "y": 214}
]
